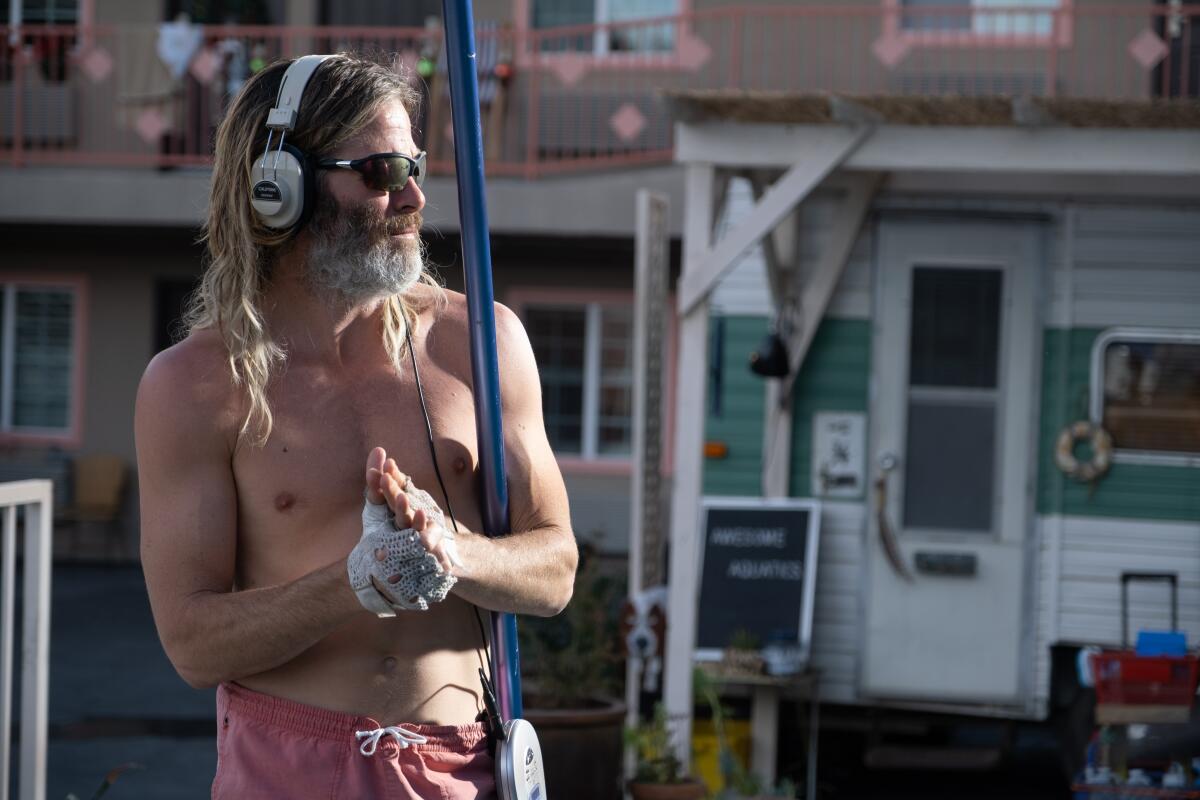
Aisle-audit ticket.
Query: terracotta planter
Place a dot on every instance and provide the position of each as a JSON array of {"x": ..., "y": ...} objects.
[
  {"x": 581, "y": 749},
  {"x": 689, "y": 790}
]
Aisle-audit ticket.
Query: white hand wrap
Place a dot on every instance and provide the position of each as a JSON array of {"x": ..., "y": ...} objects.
[
  {"x": 421, "y": 578},
  {"x": 421, "y": 500}
]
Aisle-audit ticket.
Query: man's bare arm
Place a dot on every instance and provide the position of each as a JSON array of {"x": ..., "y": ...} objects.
[
  {"x": 531, "y": 571},
  {"x": 189, "y": 535}
]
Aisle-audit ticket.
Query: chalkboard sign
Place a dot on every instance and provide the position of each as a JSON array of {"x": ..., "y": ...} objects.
[{"x": 758, "y": 572}]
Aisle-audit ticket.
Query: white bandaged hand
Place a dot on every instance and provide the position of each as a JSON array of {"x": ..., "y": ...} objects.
[
  {"x": 421, "y": 500},
  {"x": 390, "y": 569}
]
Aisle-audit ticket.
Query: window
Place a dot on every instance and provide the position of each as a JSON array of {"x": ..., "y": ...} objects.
[
  {"x": 37, "y": 358},
  {"x": 1009, "y": 18},
  {"x": 52, "y": 49},
  {"x": 618, "y": 20},
  {"x": 234, "y": 12},
  {"x": 585, "y": 358},
  {"x": 1146, "y": 393},
  {"x": 954, "y": 395},
  {"x": 44, "y": 12}
]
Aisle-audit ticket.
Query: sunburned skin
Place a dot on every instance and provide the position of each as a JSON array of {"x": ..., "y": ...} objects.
[
  {"x": 245, "y": 547},
  {"x": 417, "y": 666}
]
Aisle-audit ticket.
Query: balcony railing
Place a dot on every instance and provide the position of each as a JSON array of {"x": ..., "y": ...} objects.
[{"x": 585, "y": 96}]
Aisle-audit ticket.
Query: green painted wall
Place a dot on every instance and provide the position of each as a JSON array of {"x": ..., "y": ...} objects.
[
  {"x": 740, "y": 421},
  {"x": 834, "y": 377},
  {"x": 1128, "y": 490}
]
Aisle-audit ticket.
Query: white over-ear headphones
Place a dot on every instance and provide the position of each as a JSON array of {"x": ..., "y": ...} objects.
[{"x": 284, "y": 181}]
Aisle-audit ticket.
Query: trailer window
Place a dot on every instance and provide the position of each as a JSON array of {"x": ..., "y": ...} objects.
[{"x": 1146, "y": 392}]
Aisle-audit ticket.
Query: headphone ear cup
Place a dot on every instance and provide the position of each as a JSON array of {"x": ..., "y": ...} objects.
[
  {"x": 308, "y": 203},
  {"x": 283, "y": 188}
]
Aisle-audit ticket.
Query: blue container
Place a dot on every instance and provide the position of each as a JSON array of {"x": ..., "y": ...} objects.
[{"x": 1161, "y": 643}]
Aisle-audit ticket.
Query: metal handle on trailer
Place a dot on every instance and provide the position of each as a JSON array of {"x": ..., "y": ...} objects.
[{"x": 1127, "y": 578}]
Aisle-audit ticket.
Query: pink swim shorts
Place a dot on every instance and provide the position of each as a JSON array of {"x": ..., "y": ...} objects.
[{"x": 274, "y": 749}]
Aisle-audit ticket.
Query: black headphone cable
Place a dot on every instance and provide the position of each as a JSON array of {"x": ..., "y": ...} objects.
[{"x": 487, "y": 680}]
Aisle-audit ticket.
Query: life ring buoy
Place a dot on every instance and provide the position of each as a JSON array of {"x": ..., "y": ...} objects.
[{"x": 1101, "y": 444}]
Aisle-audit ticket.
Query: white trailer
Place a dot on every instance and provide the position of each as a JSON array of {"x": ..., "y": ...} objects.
[{"x": 963, "y": 295}]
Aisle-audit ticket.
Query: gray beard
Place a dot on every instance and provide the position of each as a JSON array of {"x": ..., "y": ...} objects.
[{"x": 348, "y": 258}]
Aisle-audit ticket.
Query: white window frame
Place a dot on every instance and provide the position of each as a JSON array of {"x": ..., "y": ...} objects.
[
  {"x": 49, "y": 16},
  {"x": 1096, "y": 400},
  {"x": 589, "y": 435},
  {"x": 601, "y": 36},
  {"x": 66, "y": 436},
  {"x": 976, "y": 12},
  {"x": 974, "y": 36}
]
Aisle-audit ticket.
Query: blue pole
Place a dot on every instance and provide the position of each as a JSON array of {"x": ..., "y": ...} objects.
[{"x": 477, "y": 273}]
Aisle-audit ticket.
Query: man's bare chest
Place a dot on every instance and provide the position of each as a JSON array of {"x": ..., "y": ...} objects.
[{"x": 305, "y": 486}]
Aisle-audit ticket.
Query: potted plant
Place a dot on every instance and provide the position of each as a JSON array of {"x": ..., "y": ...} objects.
[
  {"x": 574, "y": 673},
  {"x": 658, "y": 774},
  {"x": 740, "y": 783}
]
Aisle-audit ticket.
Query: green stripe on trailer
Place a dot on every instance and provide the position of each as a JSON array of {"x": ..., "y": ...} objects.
[
  {"x": 1133, "y": 491},
  {"x": 834, "y": 377},
  {"x": 739, "y": 423}
]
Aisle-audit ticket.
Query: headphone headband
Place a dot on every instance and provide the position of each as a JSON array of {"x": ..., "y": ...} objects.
[
  {"x": 282, "y": 191},
  {"x": 291, "y": 89}
]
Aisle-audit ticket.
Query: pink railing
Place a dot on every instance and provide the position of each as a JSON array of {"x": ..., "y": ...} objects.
[{"x": 585, "y": 96}]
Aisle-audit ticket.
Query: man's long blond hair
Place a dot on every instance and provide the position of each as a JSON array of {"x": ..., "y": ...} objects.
[{"x": 341, "y": 99}]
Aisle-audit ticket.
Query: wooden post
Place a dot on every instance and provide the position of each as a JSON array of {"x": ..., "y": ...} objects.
[
  {"x": 689, "y": 463},
  {"x": 651, "y": 265},
  {"x": 650, "y": 299}
]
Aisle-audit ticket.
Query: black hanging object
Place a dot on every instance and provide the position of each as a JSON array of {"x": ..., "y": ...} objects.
[{"x": 770, "y": 360}]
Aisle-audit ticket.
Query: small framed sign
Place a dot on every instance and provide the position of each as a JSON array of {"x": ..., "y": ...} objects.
[
  {"x": 758, "y": 573},
  {"x": 838, "y": 460}
]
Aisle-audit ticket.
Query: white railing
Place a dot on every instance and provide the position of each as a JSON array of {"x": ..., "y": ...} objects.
[{"x": 36, "y": 498}]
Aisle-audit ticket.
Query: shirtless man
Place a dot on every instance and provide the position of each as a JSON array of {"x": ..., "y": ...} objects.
[{"x": 259, "y": 434}]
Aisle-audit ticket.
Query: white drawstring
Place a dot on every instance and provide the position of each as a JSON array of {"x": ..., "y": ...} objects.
[{"x": 403, "y": 738}]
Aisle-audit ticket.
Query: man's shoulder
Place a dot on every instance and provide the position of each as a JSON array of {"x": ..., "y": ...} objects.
[
  {"x": 451, "y": 320},
  {"x": 448, "y": 344},
  {"x": 192, "y": 378}
]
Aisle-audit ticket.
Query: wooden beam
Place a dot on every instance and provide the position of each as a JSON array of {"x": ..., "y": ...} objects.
[
  {"x": 781, "y": 253},
  {"x": 690, "y": 396},
  {"x": 777, "y": 440},
  {"x": 780, "y": 248},
  {"x": 818, "y": 161},
  {"x": 811, "y": 305},
  {"x": 764, "y": 733},
  {"x": 830, "y": 265},
  {"x": 720, "y": 196},
  {"x": 1062, "y": 152}
]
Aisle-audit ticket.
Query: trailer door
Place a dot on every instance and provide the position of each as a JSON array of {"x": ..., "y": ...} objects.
[{"x": 953, "y": 438}]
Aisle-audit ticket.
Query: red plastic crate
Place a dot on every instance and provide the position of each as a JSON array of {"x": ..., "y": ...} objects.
[{"x": 1124, "y": 677}]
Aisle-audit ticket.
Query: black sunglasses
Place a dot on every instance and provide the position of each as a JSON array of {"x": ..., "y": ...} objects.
[{"x": 383, "y": 172}]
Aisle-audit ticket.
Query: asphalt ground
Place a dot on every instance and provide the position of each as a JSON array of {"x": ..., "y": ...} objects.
[{"x": 115, "y": 699}]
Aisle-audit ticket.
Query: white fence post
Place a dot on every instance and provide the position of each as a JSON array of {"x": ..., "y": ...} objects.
[
  {"x": 8, "y": 578},
  {"x": 36, "y": 497}
]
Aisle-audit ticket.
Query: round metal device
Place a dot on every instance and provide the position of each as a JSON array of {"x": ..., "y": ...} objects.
[
  {"x": 519, "y": 771},
  {"x": 278, "y": 190}
]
